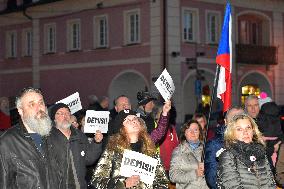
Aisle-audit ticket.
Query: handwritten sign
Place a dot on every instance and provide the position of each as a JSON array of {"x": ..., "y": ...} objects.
[
  {"x": 96, "y": 120},
  {"x": 73, "y": 101},
  {"x": 135, "y": 163},
  {"x": 165, "y": 85}
]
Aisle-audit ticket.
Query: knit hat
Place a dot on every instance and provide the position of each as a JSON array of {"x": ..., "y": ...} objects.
[
  {"x": 120, "y": 117},
  {"x": 55, "y": 108},
  {"x": 144, "y": 97},
  {"x": 263, "y": 99}
]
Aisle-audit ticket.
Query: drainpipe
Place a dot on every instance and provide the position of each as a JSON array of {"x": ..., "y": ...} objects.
[{"x": 164, "y": 59}]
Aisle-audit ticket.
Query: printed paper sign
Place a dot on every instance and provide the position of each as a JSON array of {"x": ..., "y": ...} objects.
[
  {"x": 135, "y": 163},
  {"x": 165, "y": 85},
  {"x": 73, "y": 101},
  {"x": 96, "y": 120}
]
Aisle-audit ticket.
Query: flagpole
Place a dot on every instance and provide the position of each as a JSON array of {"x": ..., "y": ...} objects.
[{"x": 212, "y": 98}]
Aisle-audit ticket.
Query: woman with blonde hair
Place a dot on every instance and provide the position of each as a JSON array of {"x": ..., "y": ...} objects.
[
  {"x": 243, "y": 162},
  {"x": 132, "y": 136},
  {"x": 186, "y": 169}
]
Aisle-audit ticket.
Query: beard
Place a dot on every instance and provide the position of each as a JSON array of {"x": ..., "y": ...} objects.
[
  {"x": 63, "y": 125},
  {"x": 40, "y": 124}
]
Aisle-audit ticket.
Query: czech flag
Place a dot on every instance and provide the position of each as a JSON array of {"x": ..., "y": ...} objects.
[{"x": 224, "y": 59}]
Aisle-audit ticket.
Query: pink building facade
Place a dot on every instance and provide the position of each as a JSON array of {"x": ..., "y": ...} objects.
[{"x": 119, "y": 47}]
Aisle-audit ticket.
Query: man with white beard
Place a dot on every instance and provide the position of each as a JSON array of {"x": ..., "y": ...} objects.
[
  {"x": 73, "y": 143},
  {"x": 25, "y": 160}
]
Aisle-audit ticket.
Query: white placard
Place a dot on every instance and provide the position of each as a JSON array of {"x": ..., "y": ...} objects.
[
  {"x": 134, "y": 163},
  {"x": 96, "y": 120},
  {"x": 73, "y": 101},
  {"x": 165, "y": 85}
]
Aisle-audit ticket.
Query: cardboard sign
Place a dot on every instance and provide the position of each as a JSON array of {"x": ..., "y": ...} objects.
[
  {"x": 96, "y": 120},
  {"x": 73, "y": 101},
  {"x": 165, "y": 85},
  {"x": 135, "y": 163}
]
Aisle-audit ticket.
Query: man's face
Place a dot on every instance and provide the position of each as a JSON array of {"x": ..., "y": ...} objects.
[
  {"x": 63, "y": 118},
  {"x": 34, "y": 113},
  {"x": 252, "y": 107},
  {"x": 149, "y": 106},
  {"x": 122, "y": 103}
]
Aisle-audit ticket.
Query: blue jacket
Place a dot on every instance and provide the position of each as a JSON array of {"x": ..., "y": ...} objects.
[{"x": 210, "y": 162}]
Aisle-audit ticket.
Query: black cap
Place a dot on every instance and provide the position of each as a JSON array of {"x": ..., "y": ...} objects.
[
  {"x": 120, "y": 117},
  {"x": 144, "y": 97},
  {"x": 55, "y": 108}
]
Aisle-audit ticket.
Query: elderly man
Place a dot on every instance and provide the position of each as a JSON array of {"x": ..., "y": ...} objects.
[
  {"x": 215, "y": 145},
  {"x": 252, "y": 106},
  {"x": 73, "y": 144},
  {"x": 25, "y": 157}
]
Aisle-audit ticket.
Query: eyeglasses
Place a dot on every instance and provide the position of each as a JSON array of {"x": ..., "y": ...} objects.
[
  {"x": 65, "y": 114},
  {"x": 195, "y": 131}
]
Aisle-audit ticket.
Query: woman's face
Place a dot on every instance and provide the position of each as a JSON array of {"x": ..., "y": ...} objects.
[
  {"x": 131, "y": 124},
  {"x": 192, "y": 133},
  {"x": 243, "y": 130}
]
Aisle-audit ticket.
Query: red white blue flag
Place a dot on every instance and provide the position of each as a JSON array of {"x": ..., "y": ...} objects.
[{"x": 224, "y": 59}]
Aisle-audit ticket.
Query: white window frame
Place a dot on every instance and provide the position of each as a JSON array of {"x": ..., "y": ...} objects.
[
  {"x": 217, "y": 28},
  {"x": 27, "y": 42},
  {"x": 50, "y": 38},
  {"x": 73, "y": 39},
  {"x": 101, "y": 35},
  {"x": 11, "y": 44},
  {"x": 132, "y": 35},
  {"x": 195, "y": 24}
]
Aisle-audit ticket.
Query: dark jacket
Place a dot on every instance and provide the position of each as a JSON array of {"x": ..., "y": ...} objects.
[
  {"x": 244, "y": 166},
  {"x": 84, "y": 153},
  {"x": 280, "y": 166},
  {"x": 22, "y": 165},
  {"x": 210, "y": 162},
  {"x": 268, "y": 120}
]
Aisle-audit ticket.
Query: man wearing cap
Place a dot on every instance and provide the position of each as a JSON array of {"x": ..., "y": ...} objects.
[
  {"x": 25, "y": 157},
  {"x": 73, "y": 144},
  {"x": 146, "y": 106}
]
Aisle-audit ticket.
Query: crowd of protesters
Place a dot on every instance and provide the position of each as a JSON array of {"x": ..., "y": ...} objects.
[{"x": 48, "y": 148}]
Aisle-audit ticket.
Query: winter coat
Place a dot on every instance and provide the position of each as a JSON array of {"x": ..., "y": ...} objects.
[
  {"x": 23, "y": 165},
  {"x": 280, "y": 166},
  {"x": 84, "y": 153},
  {"x": 244, "y": 166},
  {"x": 107, "y": 173},
  {"x": 183, "y": 168},
  {"x": 210, "y": 161}
]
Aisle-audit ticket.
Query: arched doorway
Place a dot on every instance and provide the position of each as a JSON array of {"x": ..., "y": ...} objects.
[
  {"x": 254, "y": 83},
  {"x": 127, "y": 83}
]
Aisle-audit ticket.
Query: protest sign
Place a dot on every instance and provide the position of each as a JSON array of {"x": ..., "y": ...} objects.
[
  {"x": 165, "y": 85},
  {"x": 73, "y": 101},
  {"x": 96, "y": 120},
  {"x": 135, "y": 163}
]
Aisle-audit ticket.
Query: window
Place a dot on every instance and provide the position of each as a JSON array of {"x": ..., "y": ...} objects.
[
  {"x": 74, "y": 35},
  {"x": 100, "y": 31},
  {"x": 213, "y": 25},
  {"x": 27, "y": 39},
  {"x": 250, "y": 32},
  {"x": 132, "y": 26},
  {"x": 50, "y": 38},
  {"x": 11, "y": 44},
  {"x": 190, "y": 24}
]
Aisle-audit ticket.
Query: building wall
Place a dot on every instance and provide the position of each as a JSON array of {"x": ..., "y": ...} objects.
[{"x": 92, "y": 70}]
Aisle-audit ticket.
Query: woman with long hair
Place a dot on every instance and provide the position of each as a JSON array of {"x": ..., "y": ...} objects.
[
  {"x": 186, "y": 169},
  {"x": 132, "y": 136},
  {"x": 243, "y": 163}
]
